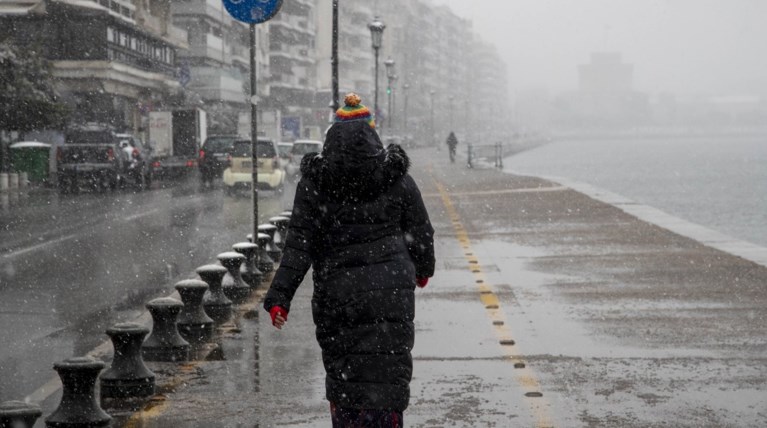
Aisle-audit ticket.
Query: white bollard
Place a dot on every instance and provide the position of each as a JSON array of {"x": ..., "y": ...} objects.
[
  {"x": 13, "y": 181},
  {"x": 3, "y": 181},
  {"x": 23, "y": 179}
]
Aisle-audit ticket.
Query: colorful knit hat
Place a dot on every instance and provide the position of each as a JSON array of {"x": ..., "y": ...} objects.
[{"x": 354, "y": 110}]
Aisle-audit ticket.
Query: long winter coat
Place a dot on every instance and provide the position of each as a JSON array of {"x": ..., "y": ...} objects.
[{"x": 359, "y": 220}]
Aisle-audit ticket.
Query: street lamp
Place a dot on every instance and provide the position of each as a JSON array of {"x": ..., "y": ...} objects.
[
  {"x": 376, "y": 34},
  {"x": 405, "y": 88},
  {"x": 389, "y": 63},
  {"x": 433, "y": 140},
  {"x": 334, "y": 60},
  {"x": 393, "y": 97}
]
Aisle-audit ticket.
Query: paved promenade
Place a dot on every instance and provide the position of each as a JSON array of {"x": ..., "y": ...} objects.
[{"x": 548, "y": 309}]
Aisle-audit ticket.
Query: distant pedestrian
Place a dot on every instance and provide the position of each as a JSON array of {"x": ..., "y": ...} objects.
[
  {"x": 452, "y": 141},
  {"x": 359, "y": 221}
]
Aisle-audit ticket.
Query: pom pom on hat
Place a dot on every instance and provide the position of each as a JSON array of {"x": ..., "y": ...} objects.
[
  {"x": 354, "y": 110},
  {"x": 352, "y": 99}
]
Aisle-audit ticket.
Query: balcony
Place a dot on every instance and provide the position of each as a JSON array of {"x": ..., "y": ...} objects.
[
  {"x": 216, "y": 85},
  {"x": 164, "y": 30},
  {"x": 294, "y": 53},
  {"x": 210, "y": 8},
  {"x": 294, "y": 23},
  {"x": 210, "y": 48}
]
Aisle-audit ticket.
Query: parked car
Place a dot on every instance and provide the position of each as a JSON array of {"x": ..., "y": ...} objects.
[
  {"x": 271, "y": 176},
  {"x": 284, "y": 150},
  {"x": 96, "y": 157},
  {"x": 301, "y": 148},
  {"x": 213, "y": 157}
]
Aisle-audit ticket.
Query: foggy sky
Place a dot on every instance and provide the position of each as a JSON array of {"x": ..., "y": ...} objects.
[{"x": 716, "y": 47}]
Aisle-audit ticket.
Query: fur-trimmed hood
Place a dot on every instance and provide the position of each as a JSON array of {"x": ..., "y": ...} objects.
[{"x": 353, "y": 164}]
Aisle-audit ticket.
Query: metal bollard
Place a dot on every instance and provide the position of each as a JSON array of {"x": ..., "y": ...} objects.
[
  {"x": 23, "y": 179},
  {"x": 193, "y": 324},
  {"x": 234, "y": 287},
  {"x": 271, "y": 249},
  {"x": 282, "y": 231},
  {"x": 79, "y": 407},
  {"x": 249, "y": 272},
  {"x": 165, "y": 344},
  {"x": 128, "y": 376},
  {"x": 215, "y": 303},
  {"x": 265, "y": 262},
  {"x": 13, "y": 181},
  {"x": 3, "y": 181},
  {"x": 18, "y": 414}
]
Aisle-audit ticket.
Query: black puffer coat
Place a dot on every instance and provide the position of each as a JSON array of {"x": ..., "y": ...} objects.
[{"x": 359, "y": 221}]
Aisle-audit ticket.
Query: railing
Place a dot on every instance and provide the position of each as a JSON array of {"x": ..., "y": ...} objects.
[{"x": 485, "y": 154}]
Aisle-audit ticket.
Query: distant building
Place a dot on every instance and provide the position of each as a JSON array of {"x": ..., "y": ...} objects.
[{"x": 605, "y": 98}]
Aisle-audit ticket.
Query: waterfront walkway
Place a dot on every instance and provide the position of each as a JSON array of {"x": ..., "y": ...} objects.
[{"x": 548, "y": 309}]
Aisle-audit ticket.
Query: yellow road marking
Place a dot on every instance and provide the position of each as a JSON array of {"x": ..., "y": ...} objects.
[
  {"x": 525, "y": 377},
  {"x": 158, "y": 404}
]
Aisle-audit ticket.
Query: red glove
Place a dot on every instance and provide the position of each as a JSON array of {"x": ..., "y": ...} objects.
[
  {"x": 421, "y": 282},
  {"x": 278, "y": 310}
]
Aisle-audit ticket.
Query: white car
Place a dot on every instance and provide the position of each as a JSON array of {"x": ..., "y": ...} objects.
[
  {"x": 271, "y": 176},
  {"x": 301, "y": 148}
]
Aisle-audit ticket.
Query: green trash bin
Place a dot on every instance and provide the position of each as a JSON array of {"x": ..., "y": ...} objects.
[{"x": 31, "y": 157}]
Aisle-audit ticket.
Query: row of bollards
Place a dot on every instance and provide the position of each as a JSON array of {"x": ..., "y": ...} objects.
[
  {"x": 176, "y": 326},
  {"x": 13, "y": 180}
]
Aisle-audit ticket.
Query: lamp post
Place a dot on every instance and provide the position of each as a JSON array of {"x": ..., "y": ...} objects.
[
  {"x": 433, "y": 140},
  {"x": 405, "y": 88},
  {"x": 467, "y": 119},
  {"x": 393, "y": 84},
  {"x": 389, "y": 63},
  {"x": 334, "y": 59},
  {"x": 376, "y": 34}
]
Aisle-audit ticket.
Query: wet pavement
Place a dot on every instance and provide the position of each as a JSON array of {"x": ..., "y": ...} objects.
[
  {"x": 73, "y": 265},
  {"x": 548, "y": 309}
]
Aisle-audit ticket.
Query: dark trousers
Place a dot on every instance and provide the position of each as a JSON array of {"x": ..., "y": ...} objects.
[{"x": 365, "y": 418}]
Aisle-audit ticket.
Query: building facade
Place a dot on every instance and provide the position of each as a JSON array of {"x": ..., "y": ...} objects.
[
  {"x": 113, "y": 60},
  {"x": 217, "y": 62},
  {"x": 293, "y": 65},
  {"x": 116, "y": 60}
]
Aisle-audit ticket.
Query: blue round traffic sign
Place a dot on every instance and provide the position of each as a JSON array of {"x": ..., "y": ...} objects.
[{"x": 252, "y": 11}]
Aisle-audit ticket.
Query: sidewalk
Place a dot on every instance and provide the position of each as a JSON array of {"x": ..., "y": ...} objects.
[{"x": 548, "y": 308}]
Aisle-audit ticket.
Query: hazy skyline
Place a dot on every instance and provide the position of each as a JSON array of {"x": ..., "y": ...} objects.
[{"x": 682, "y": 46}]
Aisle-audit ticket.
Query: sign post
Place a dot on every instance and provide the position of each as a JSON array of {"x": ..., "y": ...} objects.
[{"x": 253, "y": 12}]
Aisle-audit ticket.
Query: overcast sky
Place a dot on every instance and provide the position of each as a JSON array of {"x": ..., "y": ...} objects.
[{"x": 683, "y": 46}]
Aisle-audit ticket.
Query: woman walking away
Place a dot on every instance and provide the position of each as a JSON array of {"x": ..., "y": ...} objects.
[{"x": 359, "y": 221}]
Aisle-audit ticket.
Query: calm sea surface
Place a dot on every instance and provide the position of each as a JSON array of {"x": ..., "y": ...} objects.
[{"x": 717, "y": 182}]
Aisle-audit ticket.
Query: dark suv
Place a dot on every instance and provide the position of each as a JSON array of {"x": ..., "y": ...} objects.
[{"x": 213, "y": 155}]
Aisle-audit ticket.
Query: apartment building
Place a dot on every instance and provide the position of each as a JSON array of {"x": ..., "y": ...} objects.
[
  {"x": 217, "y": 62},
  {"x": 153, "y": 54},
  {"x": 113, "y": 60},
  {"x": 355, "y": 62},
  {"x": 293, "y": 67},
  {"x": 490, "y": 93}
]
